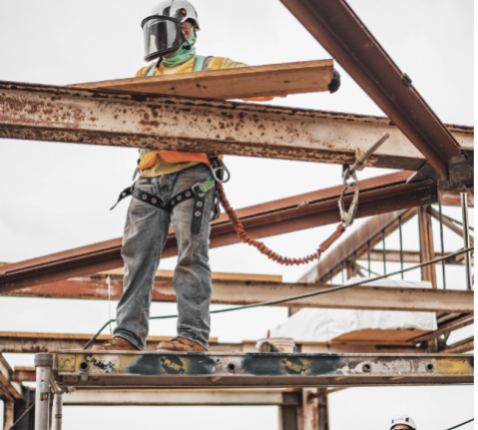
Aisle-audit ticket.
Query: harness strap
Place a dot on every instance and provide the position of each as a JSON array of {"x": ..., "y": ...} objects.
[{"x": 197, "y": 191}]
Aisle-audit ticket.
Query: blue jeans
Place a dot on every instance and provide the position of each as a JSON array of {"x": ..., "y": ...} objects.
[{"x": 144, "y": 238}]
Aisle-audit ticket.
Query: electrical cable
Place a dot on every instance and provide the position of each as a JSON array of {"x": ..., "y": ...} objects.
[
  {"x": 459, "y": 425},
  {"x": 302, "y": 296}
]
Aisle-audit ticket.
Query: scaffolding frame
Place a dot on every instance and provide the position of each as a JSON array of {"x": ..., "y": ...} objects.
[{"x": 441, "y": 156}]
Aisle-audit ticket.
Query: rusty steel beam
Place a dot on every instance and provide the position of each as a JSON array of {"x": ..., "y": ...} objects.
[
  {"x": 464, "y": 346},
  {"x": 448, "y": 222},
  {"x": 61, "y": 114},
  {"x": 331, "y": 263},
  {"x": 340, "y": 31},
  {"x": 378, "y": 195},
  {"x": 457, "y": 323},
  {"x": 247, "y": 292},
  {"x": 7, "y": 389},
  {"x": 454, "y": 199}
]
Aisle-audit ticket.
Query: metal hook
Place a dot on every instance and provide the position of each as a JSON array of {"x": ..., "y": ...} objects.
[
  {"x": 347, "y": 217},
  {"x": 349, "y": 178}
]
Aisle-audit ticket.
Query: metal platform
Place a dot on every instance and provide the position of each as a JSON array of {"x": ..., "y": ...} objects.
[
  {"x": 66, "y": 371},
  {"x": 88, "y": 370}
]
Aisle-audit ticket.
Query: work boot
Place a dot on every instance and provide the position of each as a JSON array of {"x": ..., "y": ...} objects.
[
  {"x": 115, "y": 344},
  {"x": 180, "y": 344}
]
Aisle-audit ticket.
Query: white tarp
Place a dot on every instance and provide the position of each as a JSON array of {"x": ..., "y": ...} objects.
[{"x": 322, "y": 325}]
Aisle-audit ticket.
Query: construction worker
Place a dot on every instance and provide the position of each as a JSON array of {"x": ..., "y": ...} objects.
[
  {"x": 403, "y": 422},
  {"x": 174, "y": 187}
]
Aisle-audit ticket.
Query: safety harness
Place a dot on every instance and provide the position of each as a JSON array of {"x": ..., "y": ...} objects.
[
  {"x": 216, "y": 179},
  {"x": 198, "y": 191}
]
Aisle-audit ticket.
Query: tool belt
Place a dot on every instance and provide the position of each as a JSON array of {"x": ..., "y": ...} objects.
[{"x": 197, "y": 191}]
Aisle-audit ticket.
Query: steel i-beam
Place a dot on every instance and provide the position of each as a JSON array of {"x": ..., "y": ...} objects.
[
  {"x": 378, "y": 195},
  {"x": 91, "y": 369},
  {"x": 339, "y": 30},
  {"x": 60, "y": 114}
]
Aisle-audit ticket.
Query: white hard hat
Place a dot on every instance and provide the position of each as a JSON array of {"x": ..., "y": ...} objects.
[
  {"x": 403, "y": 419},
  {"x": 162, "y": 28}
]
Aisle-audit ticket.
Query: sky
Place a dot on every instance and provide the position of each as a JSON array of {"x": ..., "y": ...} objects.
[{"x": 48, "y": 204}]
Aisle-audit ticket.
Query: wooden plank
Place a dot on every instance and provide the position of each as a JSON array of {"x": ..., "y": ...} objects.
[
  {"x": 14, "y": 342},
  {"x": 371, "y": 336},
  {"x": 78, "y": 337},
  {"x": 238, "y": 83}
]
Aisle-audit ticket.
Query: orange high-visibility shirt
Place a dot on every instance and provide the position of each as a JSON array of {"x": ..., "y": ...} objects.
[{"x": 161, "y": 162}]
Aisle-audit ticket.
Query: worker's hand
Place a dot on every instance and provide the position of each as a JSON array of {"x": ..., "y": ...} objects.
[{"x": 335, "y": 84}]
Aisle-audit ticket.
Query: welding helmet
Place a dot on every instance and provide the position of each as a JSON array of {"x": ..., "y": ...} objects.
[
  {"x": 403, "y": 419},
  {"x": 162, "y": 29}
]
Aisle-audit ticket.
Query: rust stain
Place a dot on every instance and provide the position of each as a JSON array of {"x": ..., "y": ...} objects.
[{"x": 149, "y": 123}]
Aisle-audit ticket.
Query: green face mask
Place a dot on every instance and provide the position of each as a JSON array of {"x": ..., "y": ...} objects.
[{"x": 182, "y": 55}]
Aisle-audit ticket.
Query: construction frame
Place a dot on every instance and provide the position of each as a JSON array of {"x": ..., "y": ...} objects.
[{"x": 435, "y": 163}]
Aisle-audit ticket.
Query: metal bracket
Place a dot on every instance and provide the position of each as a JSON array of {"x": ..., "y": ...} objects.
[{"x": 460, "y": 173}]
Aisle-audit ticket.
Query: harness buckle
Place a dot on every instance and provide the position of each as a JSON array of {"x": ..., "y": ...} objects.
[
  {"x": 218, "y": 170},
  {"x": 199, "y": 192}
]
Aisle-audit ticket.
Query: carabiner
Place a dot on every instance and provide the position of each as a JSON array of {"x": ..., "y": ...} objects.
[
  {"x": 215, "y": 175},
  {"x": 347, "y": 217}
]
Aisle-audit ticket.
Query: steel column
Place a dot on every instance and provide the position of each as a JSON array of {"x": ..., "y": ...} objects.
[
  {"x": 466, "y": 238},
  {"x": 323, "y": 410},
  {"x": 442, "y": 242},
  {"x": 310, "y": 416},
  {"x": 43, "y": 364},
  {"x": 57, "y": 412},
  {"x": 8, "y": 413},
  {"x": 427, "y": 248}
]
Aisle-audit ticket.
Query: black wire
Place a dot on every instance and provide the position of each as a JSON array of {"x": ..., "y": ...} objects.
[
  {"x": 24, "y": 413},
  {"x": 302, "y": 296},
  {"x": 459, "y": 425}
]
